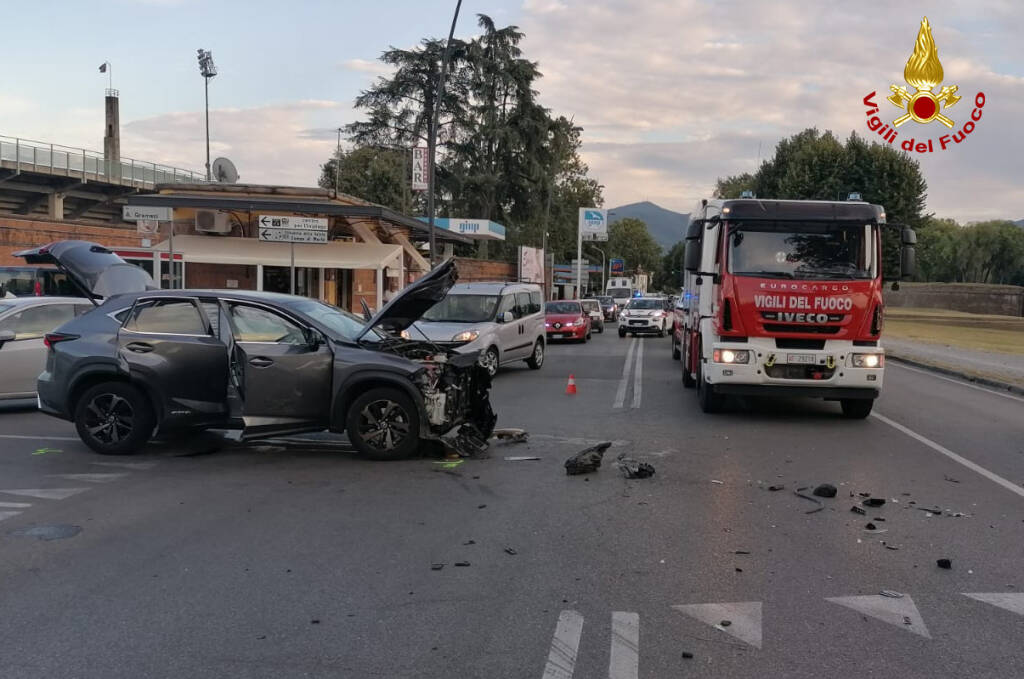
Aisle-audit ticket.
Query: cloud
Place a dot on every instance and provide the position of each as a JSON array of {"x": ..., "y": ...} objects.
[
  {"x": 366, "y": 66},
  {"x": 675, "y": 93}
]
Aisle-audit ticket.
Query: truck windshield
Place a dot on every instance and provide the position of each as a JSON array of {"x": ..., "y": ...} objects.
[{"x": 802, "y": 250}]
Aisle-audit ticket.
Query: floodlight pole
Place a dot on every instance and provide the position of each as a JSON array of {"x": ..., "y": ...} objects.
[
  {"x": 206, "y": 88},
  {"x": 432, "y": 135}
]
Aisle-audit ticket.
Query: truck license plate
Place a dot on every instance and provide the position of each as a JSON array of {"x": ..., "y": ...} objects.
[{"x": 800, "y": 358}]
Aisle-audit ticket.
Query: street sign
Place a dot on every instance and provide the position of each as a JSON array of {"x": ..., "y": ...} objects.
[
  {"x": 292, "y": 236},
  {"x": 294, "y": 223},
  {"x": 593, "y": 223},
  {"x": 420, "y": 168},
  {"x": 133, "y": 213},
  {"x": 617, "y": 266}
]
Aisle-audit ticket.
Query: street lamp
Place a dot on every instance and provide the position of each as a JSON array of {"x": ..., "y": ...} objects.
[
  {"x": 603, "y": 258},
  {"x": 432, "y": 135},
  {"x": 208, "y": 70}
]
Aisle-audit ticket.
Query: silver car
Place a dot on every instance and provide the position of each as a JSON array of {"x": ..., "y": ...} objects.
[
  {"x": 503, "y": 321},
  {"x": 24, "y": 321}
]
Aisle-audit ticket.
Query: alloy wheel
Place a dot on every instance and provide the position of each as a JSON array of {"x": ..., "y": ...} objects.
[
  {"x": 538, "y": 354},
  {"x": 383, "y": 424},
  {"x": 489, "y": 362},
  {"x": 109, "y": 418}
]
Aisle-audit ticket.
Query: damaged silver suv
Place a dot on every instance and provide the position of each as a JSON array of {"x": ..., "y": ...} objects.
[{"x": 150, "y": 363}]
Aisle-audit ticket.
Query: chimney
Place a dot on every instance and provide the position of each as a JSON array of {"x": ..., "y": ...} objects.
[{"x": 112, "y": 137}]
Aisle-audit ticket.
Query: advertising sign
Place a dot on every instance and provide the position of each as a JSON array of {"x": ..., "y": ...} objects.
[
  {"x": 531, "y": 264},
  {"x": 420, "y": 168},
  {"x": 617, "y": 266},
  {"x": 593, "y": 223}
]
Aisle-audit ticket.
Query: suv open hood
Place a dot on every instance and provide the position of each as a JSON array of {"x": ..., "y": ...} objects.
[
  {"x": 414, "y": 301},
  {"x": 93, "y": 268}
]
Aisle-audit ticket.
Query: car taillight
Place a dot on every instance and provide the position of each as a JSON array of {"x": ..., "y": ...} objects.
[{"x": 52, "y": 338}]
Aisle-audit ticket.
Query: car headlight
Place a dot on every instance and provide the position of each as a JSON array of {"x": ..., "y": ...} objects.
[
  {"x": 868, "y": 360},
  {"x": 466, "y": 336},
  {"x": 405, "y": 334},
  {"x": 658, "y": 314},
  {"x": 731, "y": 356}
]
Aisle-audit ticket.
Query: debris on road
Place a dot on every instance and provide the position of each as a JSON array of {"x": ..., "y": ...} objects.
[
  {"x": 716, "y": 481},
  {"x": 461, "y": 564},
  {"x": 871, "y": 526},
  {"x": 812, "y": 499},
  {"x": 873, "y": 502},
  {"x": 950, "y": 478},
  {"x": 587, "y": 460},
  {"x": 510, "y": 551},
  {"x": 888, "y": 546},
  {"x": 891, "y": 594},
  {"x": 776, "y": 487},
  {"x": 511, "y": 435},
  {"x": 468, "y": 542},
  {"x": 436, "y": 566},
  {"x": 687, "y": 655},
  {"x": 632, "y": 469},
  {"x": 741, "y": 551},
  {"x": 481, "y": 506},
  {"x": 725, "y": 623},
  {"x": 857, "y": 510},
  {"x": 944, "y": 563},
  {"x": 522, "y": 458},
  {"x": 825, "y": 490}
]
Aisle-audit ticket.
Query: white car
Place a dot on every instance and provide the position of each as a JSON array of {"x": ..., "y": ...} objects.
[
  {"x": 24, "y": 322},
  {"x": 644, "y": 315},
  {"x": 593, "y": 309}
]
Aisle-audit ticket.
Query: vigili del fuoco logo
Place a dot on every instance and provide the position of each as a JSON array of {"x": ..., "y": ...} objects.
[{"x": 923, "y": 105}]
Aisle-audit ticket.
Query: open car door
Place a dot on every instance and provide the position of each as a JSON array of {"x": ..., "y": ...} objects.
[{"x": 281, "y": 372}]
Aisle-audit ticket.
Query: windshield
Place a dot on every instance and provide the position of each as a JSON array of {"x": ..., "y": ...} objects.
[
  {"x": 646, "y": 304},
  {"x": 591, "y": 305},
  {"x": 606, "y": 300},
  {"x": 344, "y": 324},
  {"x": 463, "y": 309},
  {"x": 802, "y": 250},
  {"x": 562, "y": 308},
  {"x": 621, "y": 293}
]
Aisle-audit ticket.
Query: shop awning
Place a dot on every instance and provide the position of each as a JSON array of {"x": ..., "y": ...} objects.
[{"x": 330, "y": 255}]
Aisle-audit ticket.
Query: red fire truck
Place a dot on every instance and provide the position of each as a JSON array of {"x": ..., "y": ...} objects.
[{"x": 784, "y": 297}]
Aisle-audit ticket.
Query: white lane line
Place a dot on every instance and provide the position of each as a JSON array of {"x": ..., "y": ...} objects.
[
  {"x": 744, "y": 618},
  {"x": 7, "y": 515},
  {"x": 962, "y": 383},
  {"x": 625, "y": 656},
  {"x": 92, "y": 478},
  {"x": 620, "y": 395},
  {"x": 564, "y": 646},
  {"x": 15, "y": 505},
  {"x": 1010, "y": 601},
  {"x": 991, "y": 476},
  {"x": 40, "y": 437},
  {"x": 638, "y": 374},
  {"x": 46, "y": 493},
  {"x": 899, "y": 612},
  {"x": 137, "y": 466}
]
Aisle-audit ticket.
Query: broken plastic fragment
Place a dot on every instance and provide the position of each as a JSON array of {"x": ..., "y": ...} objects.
[
  {"x": 873, "y": 502},
  {"x": 944, "y": 563},
  {"x": 891, "y": 594},
  {"x": 825, "y": 490}
]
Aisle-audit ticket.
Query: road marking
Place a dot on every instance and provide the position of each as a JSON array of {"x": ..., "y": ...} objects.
[
  {"x": 7, "y": 515},
  {"x": 46, "y": 493},
  {"x": 962, "y": 383},
  {"x": 25, "y": 437},
  {"x": 624, "y": 662},
  {"x": 564, "y": 646},
  {"x": 92, "y": 478},
  {"x": 15, "y": 505},
  {"x": 137, "y": 466},
  {"x": 900, "y": 612},
  {"x": 991, "y": 476},
  {"x": 1011, "y": 601},
  {"x": 744, "y": 618},
  {"x": 638, "y": 374},
  {"x": 620, "y": 395}
]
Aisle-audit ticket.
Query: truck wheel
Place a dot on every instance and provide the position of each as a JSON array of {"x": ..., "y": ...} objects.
[
  {"x": 710, "y": 402},
  {"x": 114, "y": 418},
  {"x": 622, "y": 333},
  {"x": 856, "y": 408},
  {"x": 688, "y": 380},
  {"x": 675, "y": 348},
  {"x": 383, "y": 424}
]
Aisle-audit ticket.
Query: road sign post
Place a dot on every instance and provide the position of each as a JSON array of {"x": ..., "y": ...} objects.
[
  {"x": 594, "y": 223},
  {"x": 292, "y": 230}
]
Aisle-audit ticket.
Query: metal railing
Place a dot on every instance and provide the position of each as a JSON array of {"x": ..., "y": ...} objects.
[{"x": 35, "y": 156}]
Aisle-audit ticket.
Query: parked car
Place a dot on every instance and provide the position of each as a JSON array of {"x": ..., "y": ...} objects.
[
  {"x": 566, "y": 320},
  {"x": 24, "y": 322},
  {"x": 35, "y": 281},
  {"x": 593, "y": 309},
  {"x": 159, "y": 362},
  {"x": 610, "y": 307},
  {"x": 504, "y": 322},
  {"x": 644, "y": 315}
]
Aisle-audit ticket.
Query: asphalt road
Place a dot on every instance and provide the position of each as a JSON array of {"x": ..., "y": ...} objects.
[{"x": 301, "y": 560}]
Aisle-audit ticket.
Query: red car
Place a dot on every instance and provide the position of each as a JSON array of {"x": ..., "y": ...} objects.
[{"x": 566, "y": 320}]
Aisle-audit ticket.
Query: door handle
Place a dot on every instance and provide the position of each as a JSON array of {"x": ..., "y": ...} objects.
[
  {"x": 139, "y": 347},
  {"x": 260, "y": 362}
]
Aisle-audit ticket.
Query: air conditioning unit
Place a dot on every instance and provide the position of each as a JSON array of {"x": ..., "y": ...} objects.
[{"x": 212, "y": 221}]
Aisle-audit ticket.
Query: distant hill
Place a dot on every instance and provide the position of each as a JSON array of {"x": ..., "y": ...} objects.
[
  {"x": 1020, "y": 223},
  {"x": 667, "y": 227}
]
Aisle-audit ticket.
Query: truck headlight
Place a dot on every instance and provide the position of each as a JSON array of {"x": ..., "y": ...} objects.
[
  {"x": 466, "y": 336},
  {"x": 868, "y": 360},
  {"x": 731, "y": 356}
]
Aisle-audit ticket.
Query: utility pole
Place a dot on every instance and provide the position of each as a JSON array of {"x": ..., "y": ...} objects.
[
  {"x": 208, "y": 70},
  {"x": 432, "y": 136}
]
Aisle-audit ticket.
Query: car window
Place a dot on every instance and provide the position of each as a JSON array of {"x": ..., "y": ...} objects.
[
  {"x": 166, "y": 316},
  {"x": 212, "y": 310},
  {"x": 36, "y": 321},
  {"x": 83, "y": 309},
  {"x": 590, "y": 306},
  {"x": 254, "y": 324},
  {"x": 507, "y": 303},
  {"x": 523, "y": 304},
  {"x": 535, "y": 302}
]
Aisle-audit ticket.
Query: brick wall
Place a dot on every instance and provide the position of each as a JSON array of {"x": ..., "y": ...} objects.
[
  {"x": 975, "y": 298},
  {"x": 18, "y": 234},
  {"x": 364, "y": 286},
  {"x": 216, "y": 276},
  {"x": 471, "y": 270}
]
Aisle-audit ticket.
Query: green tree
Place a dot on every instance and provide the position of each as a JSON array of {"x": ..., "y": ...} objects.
[
  {"x": 732, "y": 187},
  {"x": 630, "y": 240},
  {"x": 378, "y": 175},
  {"x": 671, "y": 275}
]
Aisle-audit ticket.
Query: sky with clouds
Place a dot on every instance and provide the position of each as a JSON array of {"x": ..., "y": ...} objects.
[{"x": 671, "y": 93}]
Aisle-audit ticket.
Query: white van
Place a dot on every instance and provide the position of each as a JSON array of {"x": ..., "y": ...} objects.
[{"x": 503, "y": 321}]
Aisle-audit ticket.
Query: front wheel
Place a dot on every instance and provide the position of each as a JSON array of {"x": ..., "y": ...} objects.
[
  {"x": 856, "y": 408},
  {"x": 489, "y": 361},
  {"x": 114, "y": 418},
  {"x": 383, "y": 424},
  {"x": 622, "y": 333},
  {"x": 675, "y": 348},
  {"x": 536, "y": 359},
  {"x": 710, "y": 402}
]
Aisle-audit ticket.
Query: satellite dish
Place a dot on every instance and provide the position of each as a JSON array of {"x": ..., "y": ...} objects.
[{"x": 223, "y": 171}]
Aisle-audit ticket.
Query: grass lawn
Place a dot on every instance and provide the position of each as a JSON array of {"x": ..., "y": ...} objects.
[{"x": 1001, "y": 334}]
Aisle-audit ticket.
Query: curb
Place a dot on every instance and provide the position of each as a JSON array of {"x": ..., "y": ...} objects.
[{"x": 995, "y": 384}]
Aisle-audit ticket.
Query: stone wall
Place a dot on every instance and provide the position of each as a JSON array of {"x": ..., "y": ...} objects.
[{"x": 975, "y": 298}]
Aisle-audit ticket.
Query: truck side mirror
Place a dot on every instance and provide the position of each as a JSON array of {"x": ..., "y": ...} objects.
[
  {"x": 691, "y": 256},
  {"x": 908, "y": 236},
  {"x": 908, "y": 262}
]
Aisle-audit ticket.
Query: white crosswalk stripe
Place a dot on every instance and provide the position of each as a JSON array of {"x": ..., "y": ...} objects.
[
  {"x": 896, "y": 611},
  {"x": 624, "y": 662},
  {"x": 7, "y": 515},
  {"x": 1010, "y": 601},
  {"x": 92, "y": 478},
  {"x": 741, "y": 620},
  {"x": 564, "y": 646},
  {"x": 15, "y": 505}
]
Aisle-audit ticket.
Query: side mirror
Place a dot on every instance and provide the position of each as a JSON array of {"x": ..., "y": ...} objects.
[
  {"x": 6, "y": 336},
  {"x": 507, "y": 317},
  {"x": 908, "y": 236},
  {"x": 691, "y": 257},
  {"x": 908, "y": 262}
]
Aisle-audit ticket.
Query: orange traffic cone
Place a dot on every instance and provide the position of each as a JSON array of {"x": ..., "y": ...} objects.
[{"x": 570, "y": 388}]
